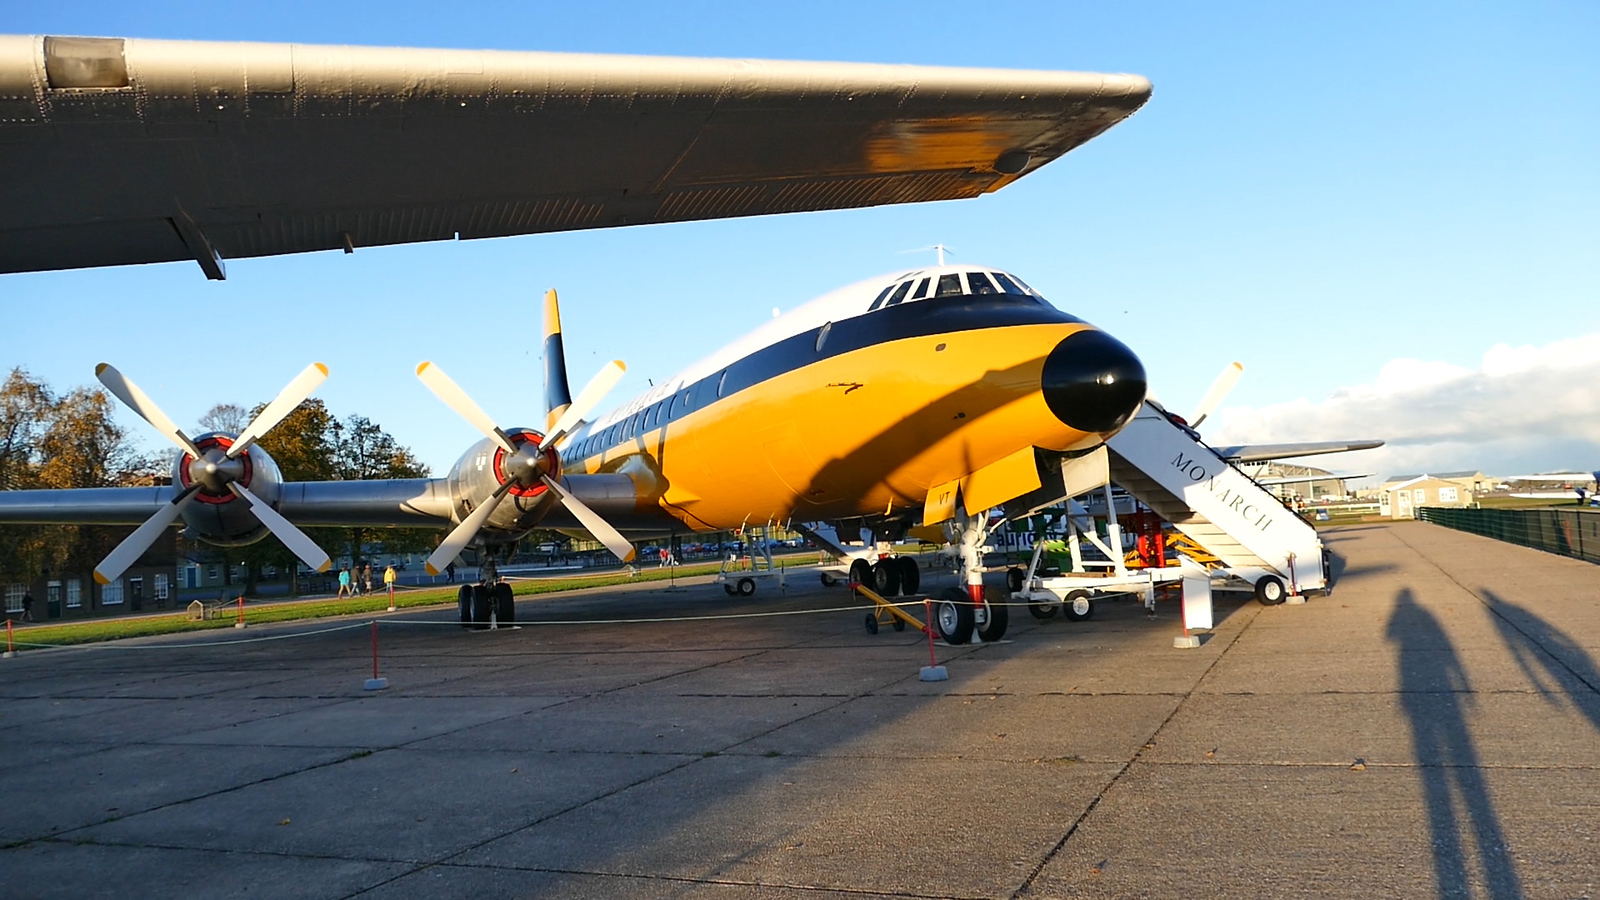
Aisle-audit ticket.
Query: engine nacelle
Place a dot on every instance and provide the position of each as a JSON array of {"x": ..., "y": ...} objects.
[
  {"x": 216, "y": 515},
  {"x": 486, "y": 466}
]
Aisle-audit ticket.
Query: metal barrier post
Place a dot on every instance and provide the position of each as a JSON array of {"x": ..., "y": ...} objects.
[
  {"x": 240, "y": 623},
  {"x": 932, "y": 671},
  {"x": 11, "y": 649},
  {"x": 375, "y": 683}
]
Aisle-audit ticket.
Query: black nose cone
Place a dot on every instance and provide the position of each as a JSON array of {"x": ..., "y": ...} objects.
[{"x": 1092, "y": 382}]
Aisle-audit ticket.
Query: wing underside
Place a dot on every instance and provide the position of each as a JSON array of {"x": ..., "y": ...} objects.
[{"x": 130, "y": 151}]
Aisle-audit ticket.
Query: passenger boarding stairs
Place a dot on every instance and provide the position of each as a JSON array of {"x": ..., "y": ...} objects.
[{"x": 1211, "y": 501}]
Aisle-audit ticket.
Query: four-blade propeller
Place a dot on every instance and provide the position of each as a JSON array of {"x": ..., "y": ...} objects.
[
  {"x": 213, "y": 470},
  {"x": 526, "y": 464},
  {"x": 1218, "y": 390}
]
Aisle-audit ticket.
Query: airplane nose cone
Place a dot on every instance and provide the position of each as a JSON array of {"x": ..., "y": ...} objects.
[{"x": 1092, "y": 382}]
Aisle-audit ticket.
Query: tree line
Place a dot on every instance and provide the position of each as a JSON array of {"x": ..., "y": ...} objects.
[{"x": 50, "y": 440}]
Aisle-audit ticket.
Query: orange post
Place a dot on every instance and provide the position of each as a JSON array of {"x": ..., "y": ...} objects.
[
  {"x": 10, "y": 647},
  {"x": 927, "y": 609},
  {"x": 240, "y": 623}
]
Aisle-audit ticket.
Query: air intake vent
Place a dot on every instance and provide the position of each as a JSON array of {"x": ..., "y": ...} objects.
[{"x": 71, "y": 62}]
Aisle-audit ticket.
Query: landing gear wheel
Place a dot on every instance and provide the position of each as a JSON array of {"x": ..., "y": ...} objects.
[
  {"x": 1079, "y": 606},
  {"x": 1269, "y": 590},
  {"x": 954, "y": 617},
  {"x": 480, "y": 607},
  {"x": 1014, "y": 579},
  {"x": 747, "y": 587},
  {"x": 861, "y": 572},
  {"x": 1042, "y": 611},
  {"x": 872, "y": 624},
  {"x": 464, "y": 605},
  {"x": 886, "y": 577},
  {"x": 828, "y": 580},
  {"x": 910, "y": 576},
  {"x": 999, "y": 618},
  {"x": 505, "y": 605}
]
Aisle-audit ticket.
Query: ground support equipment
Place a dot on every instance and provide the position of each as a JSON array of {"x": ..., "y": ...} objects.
[{"x": 885, "y": 612}]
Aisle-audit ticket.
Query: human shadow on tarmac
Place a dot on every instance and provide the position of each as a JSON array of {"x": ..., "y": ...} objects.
[
  {"x": 1542, "y": 648},
  {"x": 1434, "y": 691}
]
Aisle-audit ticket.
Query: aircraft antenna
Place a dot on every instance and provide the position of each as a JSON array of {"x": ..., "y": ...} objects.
[{"x": 937, "y": 248}]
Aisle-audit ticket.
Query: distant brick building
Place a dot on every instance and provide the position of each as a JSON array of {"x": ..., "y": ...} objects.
[
  {"x": 1400, "y": 500},
  {"x": 150, "y": 584}
]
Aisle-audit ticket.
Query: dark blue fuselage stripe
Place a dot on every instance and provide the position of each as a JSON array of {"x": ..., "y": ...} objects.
[{"x": 940, "y": 315}]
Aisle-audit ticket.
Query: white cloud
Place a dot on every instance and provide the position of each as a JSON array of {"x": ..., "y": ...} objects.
[{"x": 1523, "y": 409}]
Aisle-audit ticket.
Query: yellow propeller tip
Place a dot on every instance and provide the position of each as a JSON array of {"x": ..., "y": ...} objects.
[
  {"x": 621, "y": 365},
  {"x": 325, "y": 566},
  {"x": 100, "y": 579},
  {"x": 321, "y": 367},
  {"x": 430, "y": 569},
  {"x": 422, "y": 365},
  {"x": 101, "y": 368}
]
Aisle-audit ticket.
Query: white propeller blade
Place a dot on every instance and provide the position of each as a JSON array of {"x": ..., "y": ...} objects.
[
  {"x": 292, "y": 537},
  {"x": 457, "y": 399},
  {"x": 463, "y": 534},
  {"x": 136, "y": 400},
  {"x": 134, "y": 545},
  {"x": 591, "y": 520},
  {"x": 592, "y": 393},
  {"x": 286, "y": 401},
  {"x": 1219, "y": 389}
]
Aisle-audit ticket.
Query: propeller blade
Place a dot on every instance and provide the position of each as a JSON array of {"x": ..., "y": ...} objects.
[
  {"x": 292, "y": 537},
  {"x": 1219, "y": 389},
  {"x": 457, "y": 399},
  {"x": 592, "y": 393},
  {"x": 591, "y": 520},
  {"x": 290, "y": 397},
  {"x": 134, "y": 545},
  {"x": 139, "y": 402},
  {"x": 463, "y": 534}
]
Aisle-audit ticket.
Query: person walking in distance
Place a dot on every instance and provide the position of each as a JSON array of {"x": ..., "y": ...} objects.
[
  {"x": 27, "y": 607},
  {"x": 389, "y": 579},
  {"x": 450, "y": 570},
  {"x": 366, "y": 578},
  {"x": 344, "y": 583}
]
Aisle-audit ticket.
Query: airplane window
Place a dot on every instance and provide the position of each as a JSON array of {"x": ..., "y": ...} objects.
[
  {"x": 899, "y": 294},
  {"x": 1007, "y": 285},
  {"x": 879, "y": 302},
  {"x": 721, "y": 381},
  {"x": 980, "y": 283},
  {"x": 822, "y": 335},
  {"x": 949, "y": 286},
  {"x": 1024, "y": 285},
  {"x": 922, "y": 289}
]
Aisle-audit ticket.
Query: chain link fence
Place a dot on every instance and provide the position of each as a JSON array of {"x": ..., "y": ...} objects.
[{"x": 1569, "y": 532}]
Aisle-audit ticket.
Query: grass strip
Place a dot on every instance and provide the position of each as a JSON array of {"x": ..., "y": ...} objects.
[{"x": 291, "y": 611}]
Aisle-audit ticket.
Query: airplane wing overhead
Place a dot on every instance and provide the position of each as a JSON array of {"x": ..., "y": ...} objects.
[
  {"x": 120, "y": 151},
  {"x": 1263, "y": 452}
]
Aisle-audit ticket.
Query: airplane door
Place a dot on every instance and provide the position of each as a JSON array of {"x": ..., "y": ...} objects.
[{"x": 1405, "y": 503}]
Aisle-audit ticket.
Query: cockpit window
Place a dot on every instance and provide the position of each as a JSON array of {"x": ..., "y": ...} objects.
[
  {"x": 980, "y": 283},
  {"x": 922, "y": 289},
  {"x": 1007, "y": 285},
  {"x": 1024, "y": 285},
  {"x": 879, "y": 302},
  {"x": 949, "y": 286},
  {"x": 899, "y": 294}
]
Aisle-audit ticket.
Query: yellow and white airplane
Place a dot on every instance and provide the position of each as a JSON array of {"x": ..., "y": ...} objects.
[{"x": 927, "y": 396}]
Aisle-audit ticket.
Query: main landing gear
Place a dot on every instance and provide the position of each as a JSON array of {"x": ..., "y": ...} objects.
[
  {"x": 886, "y": 577},
  {"x": 480, "y": 605}
]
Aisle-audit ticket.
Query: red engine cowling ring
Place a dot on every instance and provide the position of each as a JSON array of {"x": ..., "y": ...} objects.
[
  {"x": 519, "y": 437},
  {"x": 204, "y": 444}
]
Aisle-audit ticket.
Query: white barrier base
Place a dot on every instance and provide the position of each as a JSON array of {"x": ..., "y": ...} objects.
[
  {"x": 934, "y": 673},
  {"x": 1295, "y": 600},
  {"x": 376, "y": 684},
  {"x": 1186, "y": 641}
]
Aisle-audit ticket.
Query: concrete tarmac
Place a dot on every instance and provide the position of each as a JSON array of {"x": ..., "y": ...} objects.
[{"x": 1432, "y": 729}]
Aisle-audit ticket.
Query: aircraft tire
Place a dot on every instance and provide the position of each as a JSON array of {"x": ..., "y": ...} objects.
[
  {"x": 505, "y": 604},
  {"x": 747, "y": 587},
  {"x": 1269, "y": 590},
  {"x": 464, "y": 605},
  {"x": 954, "y": 617},
  {"x": 999, "y": 618},
  {"x": 1014, "y": 578},
  {"x": 861, "y": 572},
  {"x": 886, "y": 578},
  {"x": 1079, "y": 606},
  {"x": 910, "y": 576},
  {"x": 481, "y": 604}
]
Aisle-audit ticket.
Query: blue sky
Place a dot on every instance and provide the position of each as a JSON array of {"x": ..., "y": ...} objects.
[{"x": 1316, "y": 192}]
